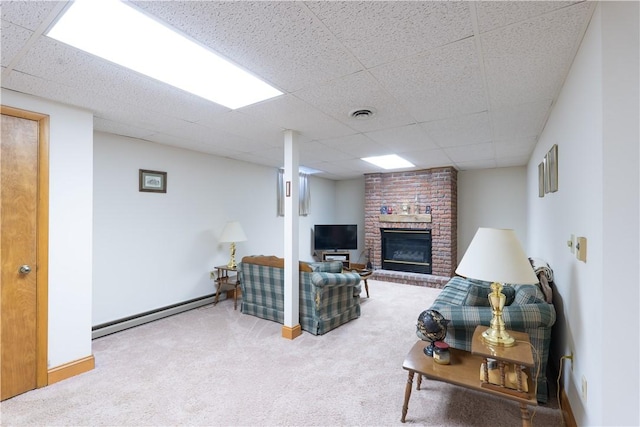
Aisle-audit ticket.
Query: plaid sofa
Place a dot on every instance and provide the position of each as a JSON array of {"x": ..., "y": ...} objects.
[
  {"x": 328, "y": 297},
  {"x": 464, "y": 302}
]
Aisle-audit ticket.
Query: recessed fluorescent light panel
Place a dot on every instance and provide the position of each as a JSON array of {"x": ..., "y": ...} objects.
[
  {"x": 122, "y": 34},
  {"x": 391, "y": 161}
]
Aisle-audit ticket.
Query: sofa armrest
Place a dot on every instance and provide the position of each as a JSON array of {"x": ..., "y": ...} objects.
[
  {"x": 516, "y": 317},
  {"x": 329, "y": 280}
]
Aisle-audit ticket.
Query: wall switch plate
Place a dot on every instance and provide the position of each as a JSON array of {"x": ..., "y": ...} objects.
[
  {"x": 581, "y": 249},
  {"x": 572, "y": 244},
  {"x": 584, "y": 388}
]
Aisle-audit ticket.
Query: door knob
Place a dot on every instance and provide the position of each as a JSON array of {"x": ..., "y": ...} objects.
[{"x": 25, "y": 269}]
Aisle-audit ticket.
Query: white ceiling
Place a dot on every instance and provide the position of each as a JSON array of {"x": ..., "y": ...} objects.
[{"x": 463, "y": 84}]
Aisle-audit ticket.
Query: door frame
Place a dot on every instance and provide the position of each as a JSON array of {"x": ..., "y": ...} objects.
[{"x": 42, "y": 241}]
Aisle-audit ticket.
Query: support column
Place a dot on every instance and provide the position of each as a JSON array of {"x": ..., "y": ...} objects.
[{"x": 291, "y": 328}]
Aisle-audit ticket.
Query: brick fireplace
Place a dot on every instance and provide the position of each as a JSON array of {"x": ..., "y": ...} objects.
[{"x": 411, "y": 195}]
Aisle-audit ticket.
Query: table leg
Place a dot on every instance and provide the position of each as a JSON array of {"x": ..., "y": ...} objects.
[
  {"x": 366, "y": 287},
  {"x": 407, "y": 395},
  {"x": 419, "y": 383},
  {"x": 526, "y": 417}
]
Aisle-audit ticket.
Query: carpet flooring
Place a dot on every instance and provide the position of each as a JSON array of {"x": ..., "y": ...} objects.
[{"x": 215, "y": 366}]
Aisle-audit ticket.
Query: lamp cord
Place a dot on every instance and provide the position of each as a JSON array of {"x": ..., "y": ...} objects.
[{"x": 562, "y": 359}]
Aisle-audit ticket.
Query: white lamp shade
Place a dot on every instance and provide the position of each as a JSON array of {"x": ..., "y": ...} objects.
[
  {"x": 495, "y": 255},
  {"x": 233, "y": 232}
]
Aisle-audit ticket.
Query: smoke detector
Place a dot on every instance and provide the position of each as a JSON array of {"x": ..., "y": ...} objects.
[{"x": 362, "y": 113}]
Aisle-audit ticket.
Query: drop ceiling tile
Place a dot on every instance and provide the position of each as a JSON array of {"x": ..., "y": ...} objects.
[
  {"x": 517, "y": 121},
  {"x": 518, "y": 147},
  {"x": 271, "y": 39},
  {"x": 360, "y": 90},
  {"x": 316, "y": 151},
  {"x": 496, "y": 14},
  {"x": 476, "y": 165},
  {"x": 120, "y": 128},
  {"x": 441, "y": 83},
  {"x": 506, "y": 162},
  {"x": 357, "y": 146},
  {"x": 461, "y": 130},
  {"x": 528, "y": 61},
  {"x": 28, "y": 14},
  {"x": 246, "y": 126},
  {"x": 292, "y": 113},
  {"x": 425, "y": 159},
  {"x": 13, "y": 38},
  {"x": 467, "y": 153},
  {"x": 403, "y": 138},
  {"x": 379, "y": 32}
]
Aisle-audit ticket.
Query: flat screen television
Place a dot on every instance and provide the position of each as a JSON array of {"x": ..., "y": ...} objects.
[{"x": 335, "y": 237}]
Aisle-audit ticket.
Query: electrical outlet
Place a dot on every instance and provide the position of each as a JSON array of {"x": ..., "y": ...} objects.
[
  {"x": 584, "y": 388},
  {"x": 570, "y": 357}
]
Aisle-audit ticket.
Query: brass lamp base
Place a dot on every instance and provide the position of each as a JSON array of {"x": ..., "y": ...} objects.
[
  {"x": 232, "y": 262},
  {"x": 497, "y": 337},
  {"x": 497, "y": 334}
]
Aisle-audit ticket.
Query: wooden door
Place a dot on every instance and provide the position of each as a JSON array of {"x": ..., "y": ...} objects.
[{"x": 22, "y": 302}]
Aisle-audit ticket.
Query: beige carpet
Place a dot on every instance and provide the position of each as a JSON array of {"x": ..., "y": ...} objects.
[{"x": 216, "y": 366}]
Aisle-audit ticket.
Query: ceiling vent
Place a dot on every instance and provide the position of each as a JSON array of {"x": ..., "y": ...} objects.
[{"x": 362, "y": 113}]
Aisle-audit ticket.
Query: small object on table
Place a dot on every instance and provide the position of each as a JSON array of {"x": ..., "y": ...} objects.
[
  {"x": 441, "y": 353},
  {"x": 431, "y": 327}
]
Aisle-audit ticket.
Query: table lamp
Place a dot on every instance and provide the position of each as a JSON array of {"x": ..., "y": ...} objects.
[
  {"x": 496, "y": 256},
  {"x": 232, "y": 233}
]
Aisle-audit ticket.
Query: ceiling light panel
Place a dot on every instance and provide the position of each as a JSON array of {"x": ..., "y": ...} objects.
[
  {"x": 390, "y": 161},
  {"x": 144, "y": 45}
]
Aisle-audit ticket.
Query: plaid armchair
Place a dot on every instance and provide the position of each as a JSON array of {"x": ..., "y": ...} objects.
[
  {"x": 461, "y": 303},
  {"x": 328, "y": 297}
]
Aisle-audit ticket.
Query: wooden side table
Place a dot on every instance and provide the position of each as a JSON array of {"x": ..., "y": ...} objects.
[
  {"x": 464, "y": 370},
  {"x": 230, "y": 282},
  {"x": 364, "y": 274}
]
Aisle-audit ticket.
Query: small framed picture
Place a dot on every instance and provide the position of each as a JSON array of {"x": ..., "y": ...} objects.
[
  {"x": 552, "y": 164},
  {"x": 153, "y": 181},
  {"x": 541, "y": 180}
]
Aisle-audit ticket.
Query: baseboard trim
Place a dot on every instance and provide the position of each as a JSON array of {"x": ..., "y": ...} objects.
[
  {"x": 70, "y": 369},
  {"x": 101, "y": 330},
  {"x": 567, "y": 413},
  {"x": 291, "y": 333}
]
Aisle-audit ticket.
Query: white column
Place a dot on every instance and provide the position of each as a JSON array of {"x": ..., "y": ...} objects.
[{"x": 291, "y": 328}]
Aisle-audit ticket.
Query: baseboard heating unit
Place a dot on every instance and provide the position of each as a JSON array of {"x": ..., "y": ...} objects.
[{"x": 149, "y": 316}]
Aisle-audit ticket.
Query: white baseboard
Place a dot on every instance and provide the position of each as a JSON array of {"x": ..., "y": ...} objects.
[{"x": 130, "y": 322}]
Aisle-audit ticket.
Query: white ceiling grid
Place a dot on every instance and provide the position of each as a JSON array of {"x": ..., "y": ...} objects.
[{"x": 456, "y": 83}]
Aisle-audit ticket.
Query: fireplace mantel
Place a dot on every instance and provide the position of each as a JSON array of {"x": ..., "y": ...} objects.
[{"x": 405, "y": 218}]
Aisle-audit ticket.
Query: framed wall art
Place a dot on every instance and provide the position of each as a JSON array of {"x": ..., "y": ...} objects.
[
  {"x": 541, "y": 173},
  {"x": 552, "y": 167},
  {"x": 153, "y": 181}
]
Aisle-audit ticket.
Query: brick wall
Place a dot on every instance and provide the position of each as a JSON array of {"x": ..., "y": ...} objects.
[{"x": 436, "y": 188}]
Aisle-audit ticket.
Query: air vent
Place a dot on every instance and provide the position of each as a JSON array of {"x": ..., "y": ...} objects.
[{"x": 362, "y": 113}]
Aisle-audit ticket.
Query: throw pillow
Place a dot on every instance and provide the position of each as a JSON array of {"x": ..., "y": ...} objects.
[{"x": 478, "y": 295}]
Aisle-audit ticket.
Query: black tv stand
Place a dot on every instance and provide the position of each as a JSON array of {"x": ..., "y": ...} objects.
[{"x": 337, "y": 255}]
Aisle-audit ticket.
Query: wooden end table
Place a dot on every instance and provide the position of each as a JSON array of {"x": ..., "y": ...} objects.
[
  {"x": 224, "y": 280},
  {"x": 464, "y": 370},
  {"x": 364, "y": 274}
]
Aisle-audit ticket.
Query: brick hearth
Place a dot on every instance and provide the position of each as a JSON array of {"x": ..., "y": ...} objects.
[{"x": 436, "y": 188}]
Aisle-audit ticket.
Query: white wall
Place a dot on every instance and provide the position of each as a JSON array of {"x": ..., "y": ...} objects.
[
  {"x": 491, "y": 198},
  {"x": 153, "y": 250},
  {"x": 350, "y": 210},
  {"x": 595, "y": 124},
  {"x": 70, "y": 226}
]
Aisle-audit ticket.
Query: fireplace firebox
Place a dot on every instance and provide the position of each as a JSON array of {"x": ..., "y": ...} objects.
[{"x": 406, "y": 249}]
